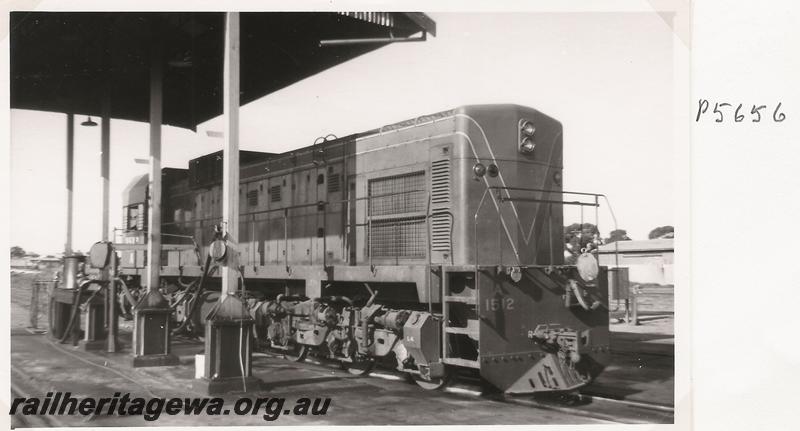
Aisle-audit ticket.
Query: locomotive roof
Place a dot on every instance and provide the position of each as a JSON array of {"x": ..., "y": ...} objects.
[
  {"x": 66, "y": 61},
  {"x": 254, "y": 158}
]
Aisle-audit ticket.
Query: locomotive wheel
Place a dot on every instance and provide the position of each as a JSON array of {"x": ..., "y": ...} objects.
[
  {"x": 359, "y": 368},
  {"x": 297, "y": 354},
  {"x": 433, "y": 384}
]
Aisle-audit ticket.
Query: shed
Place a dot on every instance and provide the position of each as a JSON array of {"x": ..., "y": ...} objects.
[{"x": 648, "y": 261}]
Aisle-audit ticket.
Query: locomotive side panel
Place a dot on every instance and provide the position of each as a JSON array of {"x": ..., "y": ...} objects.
[
  {"x": 291, "y": 225},
  {"x": 394, "y": 192}
]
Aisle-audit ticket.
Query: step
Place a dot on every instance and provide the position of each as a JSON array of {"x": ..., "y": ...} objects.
[
  {"x": 462, "y": 299},
  {"x": 458, "y": 268},
  {"x": 462, "y": 362},
  {"x": 458, "y": 330},
  {"x": 471, "y": 329}
]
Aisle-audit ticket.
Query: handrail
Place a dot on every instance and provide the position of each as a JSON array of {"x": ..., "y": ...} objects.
[
  {"x": 427, "y": 214},
  {"x": 594, "y": 204},
  {"x": 271, "y": 210},
  {"x": 530, "y": 189}
]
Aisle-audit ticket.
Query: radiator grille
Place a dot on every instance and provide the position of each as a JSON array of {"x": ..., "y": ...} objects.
[
  {"x": 397, "y": 207},
  {"x": 400, "y": 238},
  {"x": 397, "y": 194}
]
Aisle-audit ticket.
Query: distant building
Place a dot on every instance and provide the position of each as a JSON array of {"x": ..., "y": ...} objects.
[
  {"x": 25, "y": 262},
  {"x": 648, "y": 261},
  {"x": 49, "y": 261}
]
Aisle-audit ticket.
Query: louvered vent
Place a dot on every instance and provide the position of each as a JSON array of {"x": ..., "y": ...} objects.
[
  {"x": 334, "y": 181},
  {"x": 275, "y": 193},
  {"x": 252, "y": 198},
  {"x": 441, "y": 219},
  {"x": 441, "y": 226},
  {"x": 440, "y": 182}
]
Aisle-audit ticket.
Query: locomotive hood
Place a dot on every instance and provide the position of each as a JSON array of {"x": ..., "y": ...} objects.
[{"x": 136, "y": 191}]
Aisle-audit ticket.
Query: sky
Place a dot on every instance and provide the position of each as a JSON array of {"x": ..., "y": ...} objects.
[{"x": 608, "y": 77}]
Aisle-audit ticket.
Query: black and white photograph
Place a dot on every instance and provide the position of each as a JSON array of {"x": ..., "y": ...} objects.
[{"x": 344, "y": 216}]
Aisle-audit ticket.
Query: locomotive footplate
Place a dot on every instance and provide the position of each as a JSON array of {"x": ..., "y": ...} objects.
[{"x": 530, "y": 340}]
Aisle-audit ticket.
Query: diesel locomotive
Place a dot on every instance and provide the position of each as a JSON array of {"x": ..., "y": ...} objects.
[{"x": 432, "y": 246}]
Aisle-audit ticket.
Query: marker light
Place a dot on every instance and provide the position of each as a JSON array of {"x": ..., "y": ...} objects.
[
  {"x": 479, "y": 169},
  {"x": 493, "y": 170},
  {"x": 527, "y": 145}
]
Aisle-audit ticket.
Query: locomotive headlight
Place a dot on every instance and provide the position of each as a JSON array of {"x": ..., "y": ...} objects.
[
  {"x": 527, "y": 145},
  {"x": 479, "y": 169},
  {"x": 588, "y": 268},
  {"x": 493, "y": 170},
  {"x": 527, "y": 128},
  {"x": 218, "y": 250},
  {"x": 526, "y": 131}
]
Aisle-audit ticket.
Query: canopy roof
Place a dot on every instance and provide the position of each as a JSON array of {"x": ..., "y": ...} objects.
[{"x": 69, "y": 62}]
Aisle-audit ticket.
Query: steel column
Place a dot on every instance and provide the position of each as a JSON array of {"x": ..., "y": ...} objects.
[
  {"x": 111, "y": 319},
  {"x": 105, "y": 155},
  {"x": 154, "y": 207},
  {"x": 70, "y": 157},
  {"x": 151, "y": 332},
  {"x": 230, "y": 169},
  {"x": 228, "y": 353}
]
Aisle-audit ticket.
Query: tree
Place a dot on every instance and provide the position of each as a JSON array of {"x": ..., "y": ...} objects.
[
  {"x": 662, "y": 232},
  {"x": 617, "y": 235},
  {"x": 17, "y": 252}
]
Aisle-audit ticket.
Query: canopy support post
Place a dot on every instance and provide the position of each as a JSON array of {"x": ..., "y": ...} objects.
[
  {"x": 228, "y": 350},
  {"x": 112, "y": 322},
  {"x": 151, "y": 330},
  {"x": 154, "y": 176},
  {"x": 100, "y": 323},
  {"x": 70, "y": 157}
]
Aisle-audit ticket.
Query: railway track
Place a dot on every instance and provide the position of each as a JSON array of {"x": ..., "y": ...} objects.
[
  {"x": 633, "y": 404},
  {"x": 602, "y": 408},
  {"x": 594, "y": 404}
]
